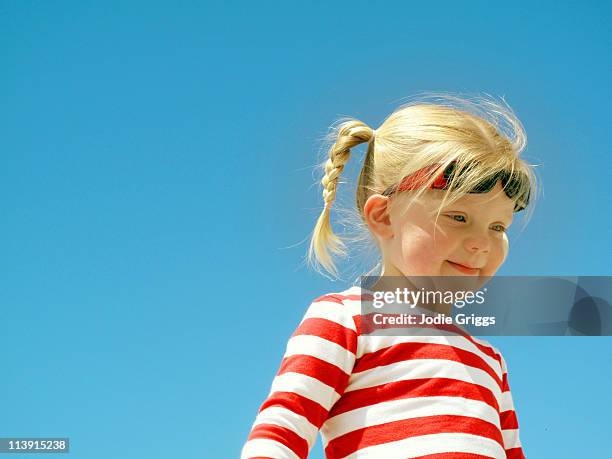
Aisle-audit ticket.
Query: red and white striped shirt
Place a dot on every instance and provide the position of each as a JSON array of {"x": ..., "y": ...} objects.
[{"x": 427, "y": 397}]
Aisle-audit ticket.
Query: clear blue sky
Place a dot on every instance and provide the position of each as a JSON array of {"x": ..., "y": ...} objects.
[{"x": 157, "y": 191}]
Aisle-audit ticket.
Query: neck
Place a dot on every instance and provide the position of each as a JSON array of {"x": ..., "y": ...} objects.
[{"x": 391, "y": 280}]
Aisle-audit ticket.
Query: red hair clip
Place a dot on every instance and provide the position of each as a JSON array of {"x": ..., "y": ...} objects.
[
  {"x": 419, "y": 178},
  {"x": 516, "y": 188}
]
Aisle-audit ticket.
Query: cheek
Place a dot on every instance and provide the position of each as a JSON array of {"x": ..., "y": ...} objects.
[
  {"x": 497, "y": 256},
  {"x": 420, "y": 251},
  {"x": 506, "y": 247}
]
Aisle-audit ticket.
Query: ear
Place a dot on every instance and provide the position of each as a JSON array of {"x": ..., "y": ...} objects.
[{"x": 377, "y": 216}]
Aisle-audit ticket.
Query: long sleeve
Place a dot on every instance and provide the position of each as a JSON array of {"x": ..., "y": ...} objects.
[
  {"x": 508, "y": 418},
  {"x": 313, "y": 374}
]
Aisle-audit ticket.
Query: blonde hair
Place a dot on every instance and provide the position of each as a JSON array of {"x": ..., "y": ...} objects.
[{"x": 482, "y": 135}]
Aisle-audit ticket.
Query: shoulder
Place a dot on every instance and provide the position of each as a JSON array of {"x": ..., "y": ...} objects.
[
  {"x": 342, "y": 307},
  {"x": 347, "y": 297},
  {"x": 498, "y": 355},
  {"x": 487, "y": 348}
]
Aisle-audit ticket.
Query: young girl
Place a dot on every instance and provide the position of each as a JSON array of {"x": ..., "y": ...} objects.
[{"x": 437, "y": 191}]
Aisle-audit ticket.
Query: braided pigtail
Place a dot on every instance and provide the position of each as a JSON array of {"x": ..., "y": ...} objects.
[{"x": 324, "y": 242}]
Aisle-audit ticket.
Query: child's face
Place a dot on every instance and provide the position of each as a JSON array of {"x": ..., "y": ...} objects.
[{"x": 468, "y": 232}]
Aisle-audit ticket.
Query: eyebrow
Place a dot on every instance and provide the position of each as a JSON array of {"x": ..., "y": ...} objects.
[{"x": 505, "y": 220}]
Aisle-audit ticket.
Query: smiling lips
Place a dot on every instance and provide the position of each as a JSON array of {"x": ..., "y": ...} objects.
[{"x": 464, "y": 269}]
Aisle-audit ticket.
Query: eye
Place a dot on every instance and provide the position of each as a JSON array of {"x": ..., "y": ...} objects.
[
  {"x": 454, "y": 217},
  {"x": 462, "y": 219}
]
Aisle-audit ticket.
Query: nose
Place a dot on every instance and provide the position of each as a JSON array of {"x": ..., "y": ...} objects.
[{"x": 477, "y": 243}]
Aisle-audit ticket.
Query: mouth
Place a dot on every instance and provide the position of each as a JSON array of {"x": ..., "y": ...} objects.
[{"x": 464, "y": 269}]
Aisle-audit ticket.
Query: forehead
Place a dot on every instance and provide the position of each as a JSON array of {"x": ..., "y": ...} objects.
[{"x": 493, "y": 202}]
